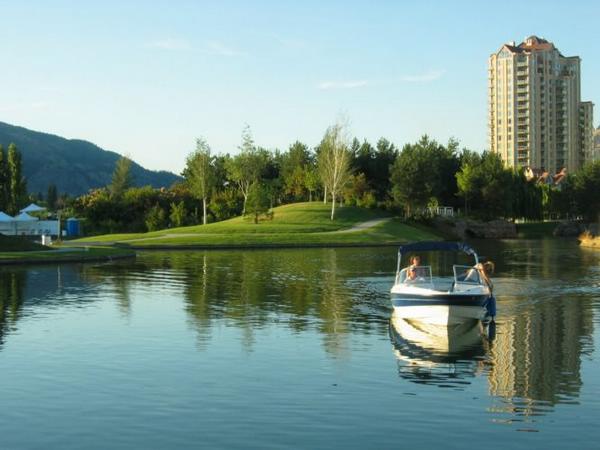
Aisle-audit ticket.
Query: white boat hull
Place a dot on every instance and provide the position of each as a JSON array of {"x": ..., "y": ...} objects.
[{"x": 445, "y": 315}]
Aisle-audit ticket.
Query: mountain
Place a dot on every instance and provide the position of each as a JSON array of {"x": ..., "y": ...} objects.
[{"x": 73, "y": 165}]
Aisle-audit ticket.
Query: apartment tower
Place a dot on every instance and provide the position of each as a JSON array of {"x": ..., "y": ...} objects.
[{"x": 536, "y": 117}]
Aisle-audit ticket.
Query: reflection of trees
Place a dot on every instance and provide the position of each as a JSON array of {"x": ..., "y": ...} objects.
[
  {"x": 12, "y": 285},
  {"x": 253, "y": 288},
  {"x": 334, "y": 308}
]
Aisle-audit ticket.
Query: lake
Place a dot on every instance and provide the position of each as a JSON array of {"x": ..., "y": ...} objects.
[{"x": 295, "y": 348}]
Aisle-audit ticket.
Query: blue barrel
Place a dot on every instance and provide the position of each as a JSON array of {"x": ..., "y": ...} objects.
[{"x": 72, "y": 226}]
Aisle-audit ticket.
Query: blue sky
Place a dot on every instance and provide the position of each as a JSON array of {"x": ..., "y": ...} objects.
[{"x": 146, "y": 78}]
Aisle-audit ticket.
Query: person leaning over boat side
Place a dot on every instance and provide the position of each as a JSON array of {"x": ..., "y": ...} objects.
[
  {"x": 415, "y": 261},
  {"x": 485, "y": 269}
]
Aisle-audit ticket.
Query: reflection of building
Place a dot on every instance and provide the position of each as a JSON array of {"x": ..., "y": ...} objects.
[
  {"x": 536, "y": 356},
  {"x": 536, "y": 117}
]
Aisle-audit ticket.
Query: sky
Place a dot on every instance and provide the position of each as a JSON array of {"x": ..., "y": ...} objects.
[{"x": 145, "y": 79}]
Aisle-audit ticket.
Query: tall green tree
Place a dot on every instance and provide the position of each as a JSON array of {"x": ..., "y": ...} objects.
[
  {"x": 17, "y": 186},
  {"x": 177, "y": 214},
  {"x": 200, "y": 173},
  {"x": 258, "y": 200},
  {"x": 4, "y": 180},
  {"x": 586, "y": 187},
  {"x": 424, "y": 173},
  {"x": 247, "y": 166},
  {"x": 122, "y": 179},
  {"x": 51, "y": 197},
  {"x": 294, "y": 165},
  {"x": 334, "y": 160}
]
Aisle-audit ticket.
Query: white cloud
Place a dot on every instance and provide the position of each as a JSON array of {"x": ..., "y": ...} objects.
[
  {"x": 350, "y": 84},
  {"x": 431, "y": 75},
  {"x": 171, "y": 44}
]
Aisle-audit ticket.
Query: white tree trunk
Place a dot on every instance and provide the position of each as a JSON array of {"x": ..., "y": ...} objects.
[
  {"x": 325, "y": 195},
  {"x": 204, "y": 210},
  {"x": 332, "y": 205}
]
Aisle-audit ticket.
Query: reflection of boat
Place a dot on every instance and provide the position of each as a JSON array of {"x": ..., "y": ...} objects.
[
  {"x": 442, "y": 301},
  {"x": 436, "y": 343},
  {"x": 437, "y": 354}
]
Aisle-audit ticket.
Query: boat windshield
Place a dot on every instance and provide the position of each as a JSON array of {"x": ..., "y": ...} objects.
[
  {"x": 422, "y": 275},
  {"x": 466, "y": 274}
]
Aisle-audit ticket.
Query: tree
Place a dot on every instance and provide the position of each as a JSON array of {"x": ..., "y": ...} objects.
[
  {"x": 489, "y": 188},
  {"x": 51, "y": 197},
  {"x": 122, "y": 178},
  {"x": 246, "y": 167},
  {"x": 178, "y": 213},
  {"x": 409, "y": 176},
  {"x": 424, "y": 173},
  {"x": 294, "y": 165},
  {"x": 311, "y": 181},
  {"x": 4, "y": 180},
  {"x": 586, "y": 186},
  {"x": 17, "y": 186},
  {"x": 334, "y": 161},
  {"x": 467, "y": 177},
  {"x": 155, "y": 218},
  {"x": 200, "y": 173},
  {"x": 358, "y": 192},
  {"x": 258, "y": 200}
]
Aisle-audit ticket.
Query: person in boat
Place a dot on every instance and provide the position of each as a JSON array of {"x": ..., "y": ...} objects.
[
  {"x": 483, "y": 270},
  {"x": 412, "y": 273}
]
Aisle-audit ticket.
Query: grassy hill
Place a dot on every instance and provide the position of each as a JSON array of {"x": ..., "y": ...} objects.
[
  {"x": 73, "y": 165},
  {"x": 292, "y": 225}
]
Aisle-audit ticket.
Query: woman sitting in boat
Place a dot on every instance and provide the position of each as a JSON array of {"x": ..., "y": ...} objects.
[{"x": 412, "y": 272}]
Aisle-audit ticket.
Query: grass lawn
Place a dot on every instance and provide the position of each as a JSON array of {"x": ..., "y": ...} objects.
[{"x": 296, "y": 224}]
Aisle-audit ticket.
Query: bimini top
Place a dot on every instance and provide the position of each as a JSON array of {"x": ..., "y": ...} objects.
[{"x": 432, "y": 246}]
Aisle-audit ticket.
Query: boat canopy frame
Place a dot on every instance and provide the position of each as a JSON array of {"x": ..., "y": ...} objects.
[{"x": 436, "y": 246}]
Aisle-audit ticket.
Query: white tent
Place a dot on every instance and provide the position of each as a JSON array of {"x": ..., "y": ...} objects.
[
  {"x": 24, "y": 217},
  {"x": 33, "y": 208},
  {"x": 5, "y": 217}
]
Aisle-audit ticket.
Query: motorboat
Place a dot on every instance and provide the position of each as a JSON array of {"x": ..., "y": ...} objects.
[{"x": 441, "y": 300}]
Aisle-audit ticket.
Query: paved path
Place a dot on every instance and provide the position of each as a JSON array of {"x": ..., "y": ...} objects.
[{"x": 364, "y": 225}]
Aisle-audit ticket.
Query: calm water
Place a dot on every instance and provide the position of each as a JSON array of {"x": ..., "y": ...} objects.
[{"x": 271, "y": 349}]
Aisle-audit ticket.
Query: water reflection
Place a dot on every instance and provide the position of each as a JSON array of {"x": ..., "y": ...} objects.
[
  {"x": 445, "y": 356},
  {"x": 546, "y": 297},
  {"x": 12, "y": 285},
  {"x": 546, "y": 292}
]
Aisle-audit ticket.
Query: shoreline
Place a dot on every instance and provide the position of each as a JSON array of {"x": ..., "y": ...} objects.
[
  {"x": 79, "y": 256},
  {"x": 260, "y": 246}
]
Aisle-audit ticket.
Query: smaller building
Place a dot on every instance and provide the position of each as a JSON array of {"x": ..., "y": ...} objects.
[
  {"x": 586, "y": 127},
  {"x": 596, "y": 151}
]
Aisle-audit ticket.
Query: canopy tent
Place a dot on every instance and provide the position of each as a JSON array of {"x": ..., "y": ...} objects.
[
  {"x": 5, "y": 217},
  {"x": 24, "y": 217},
  {"x": 33, "y": 208}
]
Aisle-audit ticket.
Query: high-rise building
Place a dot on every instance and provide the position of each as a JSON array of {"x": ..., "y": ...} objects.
[{"x": 535, "y": 108}]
